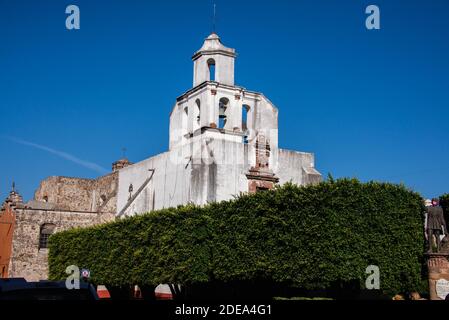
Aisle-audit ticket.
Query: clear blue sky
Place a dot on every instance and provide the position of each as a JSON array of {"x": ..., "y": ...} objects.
[{"x": 370, "y": 104}]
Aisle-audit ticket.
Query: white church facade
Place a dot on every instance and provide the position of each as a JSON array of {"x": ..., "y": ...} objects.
[{"x": 223, "y": 141}]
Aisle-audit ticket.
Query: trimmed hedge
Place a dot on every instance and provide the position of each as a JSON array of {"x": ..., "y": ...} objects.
[{"x": 310, "y": 237}]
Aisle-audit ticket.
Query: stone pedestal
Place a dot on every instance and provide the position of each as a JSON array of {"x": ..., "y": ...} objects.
[
  {"x": 438, "y": 267},
  {"x": 260, "y": 180},
  {"x": 261, "y": 177}
]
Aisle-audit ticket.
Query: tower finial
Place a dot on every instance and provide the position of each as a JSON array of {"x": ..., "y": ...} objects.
[
  {"x": 13, "y": 186},
  {"x": 124, "y": 152},
  {"x": 214, "y": 19}
]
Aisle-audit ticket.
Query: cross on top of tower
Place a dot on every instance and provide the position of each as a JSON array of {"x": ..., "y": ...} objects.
[{"x": 214, "y": 19}]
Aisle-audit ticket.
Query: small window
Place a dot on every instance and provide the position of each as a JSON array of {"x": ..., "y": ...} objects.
[{"x": 45, "y": 232}]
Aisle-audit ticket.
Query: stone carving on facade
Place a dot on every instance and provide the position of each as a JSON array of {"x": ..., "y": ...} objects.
[
  {"x": 261, "y": 177},
  {"x": 262, "y": 153}
]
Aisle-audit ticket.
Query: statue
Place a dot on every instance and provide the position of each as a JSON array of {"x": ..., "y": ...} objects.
[
  {"x": 130, "y": 190},
  {"x": 435, "y": 225}
]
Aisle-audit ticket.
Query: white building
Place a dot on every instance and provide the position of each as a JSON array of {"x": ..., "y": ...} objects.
[{"x": 223, "y": 141}]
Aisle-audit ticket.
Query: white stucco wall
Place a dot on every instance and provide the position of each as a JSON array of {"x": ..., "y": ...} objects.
[
  {"x": 291, "y": 167},
  {"x": 223, "y": 57},
  {"x": 213, "y": 169},
  {"x": 205, "y": 163},
  {"x": 224, "y": 69},
  {"x": 168, "y": 187}
]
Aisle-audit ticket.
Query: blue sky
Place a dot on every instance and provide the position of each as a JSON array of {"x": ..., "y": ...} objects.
[{"x": 370, "y": 104}]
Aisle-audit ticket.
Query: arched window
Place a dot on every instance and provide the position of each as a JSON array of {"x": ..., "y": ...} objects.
[
  {"x": 198, "y": 113},
  {"x": 245, "y": 110},
  {"x": 185, "y": 120},
  {"x": 46, "y": 230},
  {"x": 222, "y": 112},
  {"x": 211, "y": 66}
]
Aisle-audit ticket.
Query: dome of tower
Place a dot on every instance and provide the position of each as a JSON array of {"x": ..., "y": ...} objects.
[{"x": 213, "y": 44}]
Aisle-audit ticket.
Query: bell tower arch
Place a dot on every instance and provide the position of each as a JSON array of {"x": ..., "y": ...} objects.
[{"x": 213, "y": 62}]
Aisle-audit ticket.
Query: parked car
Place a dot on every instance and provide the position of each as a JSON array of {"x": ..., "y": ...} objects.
[{"x": 20, "y": 289}]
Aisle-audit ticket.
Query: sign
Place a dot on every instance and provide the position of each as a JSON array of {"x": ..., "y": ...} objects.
[
  {"x": 85, "y": 273},
  {"x": 442, "y": 288}
]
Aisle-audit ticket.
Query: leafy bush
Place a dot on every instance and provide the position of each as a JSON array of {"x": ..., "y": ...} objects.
[{"x": 313, "y": 237}]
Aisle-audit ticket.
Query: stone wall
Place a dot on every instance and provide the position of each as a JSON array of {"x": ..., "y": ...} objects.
[
  {"x": 28, "y": 260},
  {"x": 59, "y": 202},
  {"x": 75, "y": 194}
]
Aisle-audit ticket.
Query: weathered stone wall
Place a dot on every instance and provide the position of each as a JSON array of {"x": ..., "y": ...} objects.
[
  {"x": 27, "y": 260},
  {"x": 75, "y": 194},
  {"x": 61, "y": 201}
]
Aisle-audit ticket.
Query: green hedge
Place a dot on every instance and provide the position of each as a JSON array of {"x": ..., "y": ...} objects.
[{"x": 307, "y": 237}]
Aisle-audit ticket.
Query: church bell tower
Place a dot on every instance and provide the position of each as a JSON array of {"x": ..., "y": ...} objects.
[{"x": 213, "y": 62}]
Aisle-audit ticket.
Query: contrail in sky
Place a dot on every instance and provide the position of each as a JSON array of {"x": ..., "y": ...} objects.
[{"x": 61, "y": 154}]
